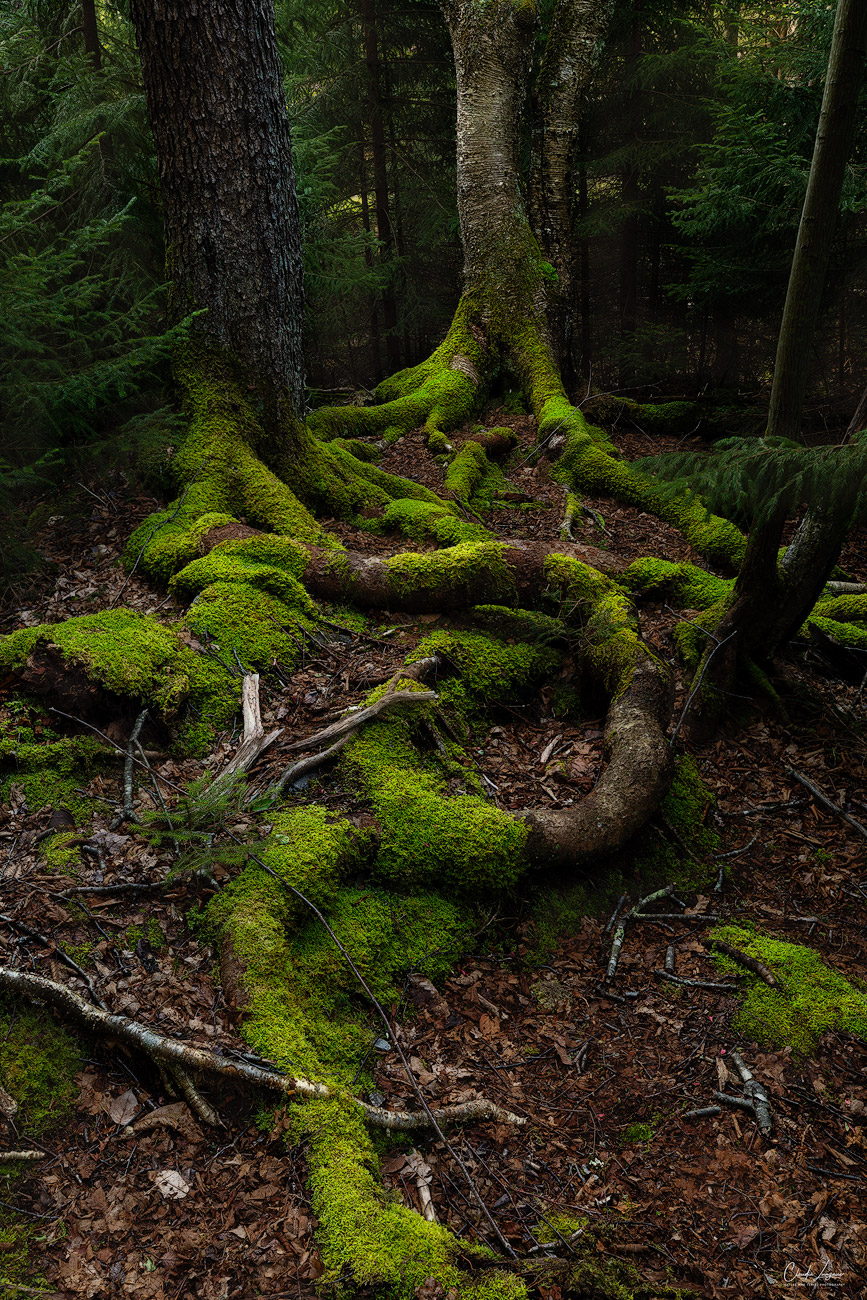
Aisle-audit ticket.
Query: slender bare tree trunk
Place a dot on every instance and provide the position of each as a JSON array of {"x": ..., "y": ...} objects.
[
  {"x": 564, "y": 78},
  {"x": 384, "y": 230},
  {"x": 818, "y": 218}
]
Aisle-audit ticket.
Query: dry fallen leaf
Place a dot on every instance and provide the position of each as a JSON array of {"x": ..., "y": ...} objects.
[
  {"x": 122, "y": 1108},
  {"x": 8, "y": 1105},
  {"x": 173, "y": 1185}
]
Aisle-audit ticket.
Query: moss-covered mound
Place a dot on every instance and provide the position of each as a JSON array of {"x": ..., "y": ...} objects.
[{"x": 813, "y": 997}]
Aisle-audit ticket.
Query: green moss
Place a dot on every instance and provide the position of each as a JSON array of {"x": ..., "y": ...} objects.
[
  {"x": 691, "y": 587},
  {"x": 612, "y": 644},
  {"x": 814, "y": 997},
  {"x": 135, "y": 656},
  {"x": 438, "y": 394},
  {"x": 49, "y": 771},
  {"x": 151, "y": 931},
  {"x": 465, "y": 474},
  {"x": 245, "y": 561},
  {"x": 423, "y": 520},
  {"x": 60, "y": 855},
  {"x": 471, "y": 570},
  {"x": 461, "y": 843},
  {"x": 38, "y": 1059},
  {"x": 240, "y": 618},
  {"x": 522, "y": 624},
  {"x": 367, "y": 1237},
  {"x": 490, "y": 667},
  {"x": 843, "y": 609},
  {"x": 847, "y": 633},
  {"x": 15, "y": 648},
  {"x": 636, "y": 1133},
  {"x": 588, "y": 466}
]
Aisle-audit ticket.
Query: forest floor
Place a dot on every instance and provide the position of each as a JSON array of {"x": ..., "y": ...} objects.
[{"x": 137, "y": 1198}]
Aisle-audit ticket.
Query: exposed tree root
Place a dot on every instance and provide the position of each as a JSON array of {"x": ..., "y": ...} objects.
[{"x": 179, "y": 1058}]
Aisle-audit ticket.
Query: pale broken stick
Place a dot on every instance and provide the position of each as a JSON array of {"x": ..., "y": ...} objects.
[
  {"x": 254, "y": 741},
  {"x": 174, "y": 1055}
]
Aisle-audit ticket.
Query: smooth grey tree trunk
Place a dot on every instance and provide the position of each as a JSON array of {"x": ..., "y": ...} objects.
[
  {"x": 216, "y": 104},
  {"x": 564, "y": 79}
]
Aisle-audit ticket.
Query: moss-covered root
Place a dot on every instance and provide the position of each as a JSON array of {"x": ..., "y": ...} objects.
[
  {"x": 589, "y": 463},
  {"x": 369, "y": 1239},
  {"x": 640, "y": 765},
  {"x": 439, "y": 394},
  {"x": 470, "y": 573}
]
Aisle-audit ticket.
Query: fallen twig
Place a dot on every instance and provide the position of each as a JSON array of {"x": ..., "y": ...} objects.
[
  {"x": 696, "y": 984},
  {"x": 127, "y": 812},
  {"x": 254, "y": 741},
  {"x": 9, "y": 1157},
  {"x": 343, "y": 731},
  {"x": 669, "y": 959},
  {"x": 737, "y": 1103},
  {"x": 58, "y": 953},
  {"x": 755, "y": 1091},
  {"x": 704, "y": 1112},
  {"x": 751, "y": 963},
  {"x": 825, "y": 801},
  {"x": 174, "y": 1055},
  {"x": 619, "y": 935},
  {"x": 624, "y": 898}
]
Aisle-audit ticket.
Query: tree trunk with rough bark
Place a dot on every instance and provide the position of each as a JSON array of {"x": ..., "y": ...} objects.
[{"x": 228, "y": 190}]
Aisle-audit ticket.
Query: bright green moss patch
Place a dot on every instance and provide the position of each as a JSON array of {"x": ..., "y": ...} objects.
[
  {"x": 240, "y": 618},
  {"x": 692, "y": 587},
  {"x": 612, "y": 645},
  {"x": 585, "y": 466},
  {"x": 461, "y": 842},
  {"x": 843, "y": 609},
  {"x": 38, "y": 1059},
  {"x": 230, "y": 562},
  {"x": 368, "y": 1238},
  {"x": 465, "y": 474},
  {"x": 490, "y": 667},
  {"x": 49, "y": 771},
  {"x": 848, "y": 633},
  {"x": 424, "y": 520},
  {"x": 440, "y": 393},
  {"x": 60, "y": 855},
  {"x": 470, "y": 569},
  {"x": 135, "y": 656},
  {"x": 814, "y": 997}
]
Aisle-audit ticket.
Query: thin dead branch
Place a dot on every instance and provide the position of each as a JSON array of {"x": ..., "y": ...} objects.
[
  {"x": 254, "y": 741},
  {"x": 825, "y": 801},
  {"x": 751, "y": 963},
  {"x": 174, "y": 1055}
]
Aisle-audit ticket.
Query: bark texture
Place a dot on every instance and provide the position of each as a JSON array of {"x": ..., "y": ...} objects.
[
  {"x": 492, "y": 46},
  {"x": 564, "y": 78},
  {"x": 816, "y": 230},
  {"x": 216, "y": 104}
]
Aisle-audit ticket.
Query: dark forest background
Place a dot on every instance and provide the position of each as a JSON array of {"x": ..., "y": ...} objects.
[{"x": 694, "y": 155}]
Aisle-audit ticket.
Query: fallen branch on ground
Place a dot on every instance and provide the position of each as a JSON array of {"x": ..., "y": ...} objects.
[
  {"x": 825, "y": 801},
  {"x": 696, "y": 984},
  {"x": 175, "y": 1055},
  {"x": 344, "y": 730},
  {"x": 254, "y": 741},
  {"x": 127, "y": 812},
  {"x": 751, "y": 963},
  {"x": 756, "y": 1093},
  {"x": 9, "y": 1157}
]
